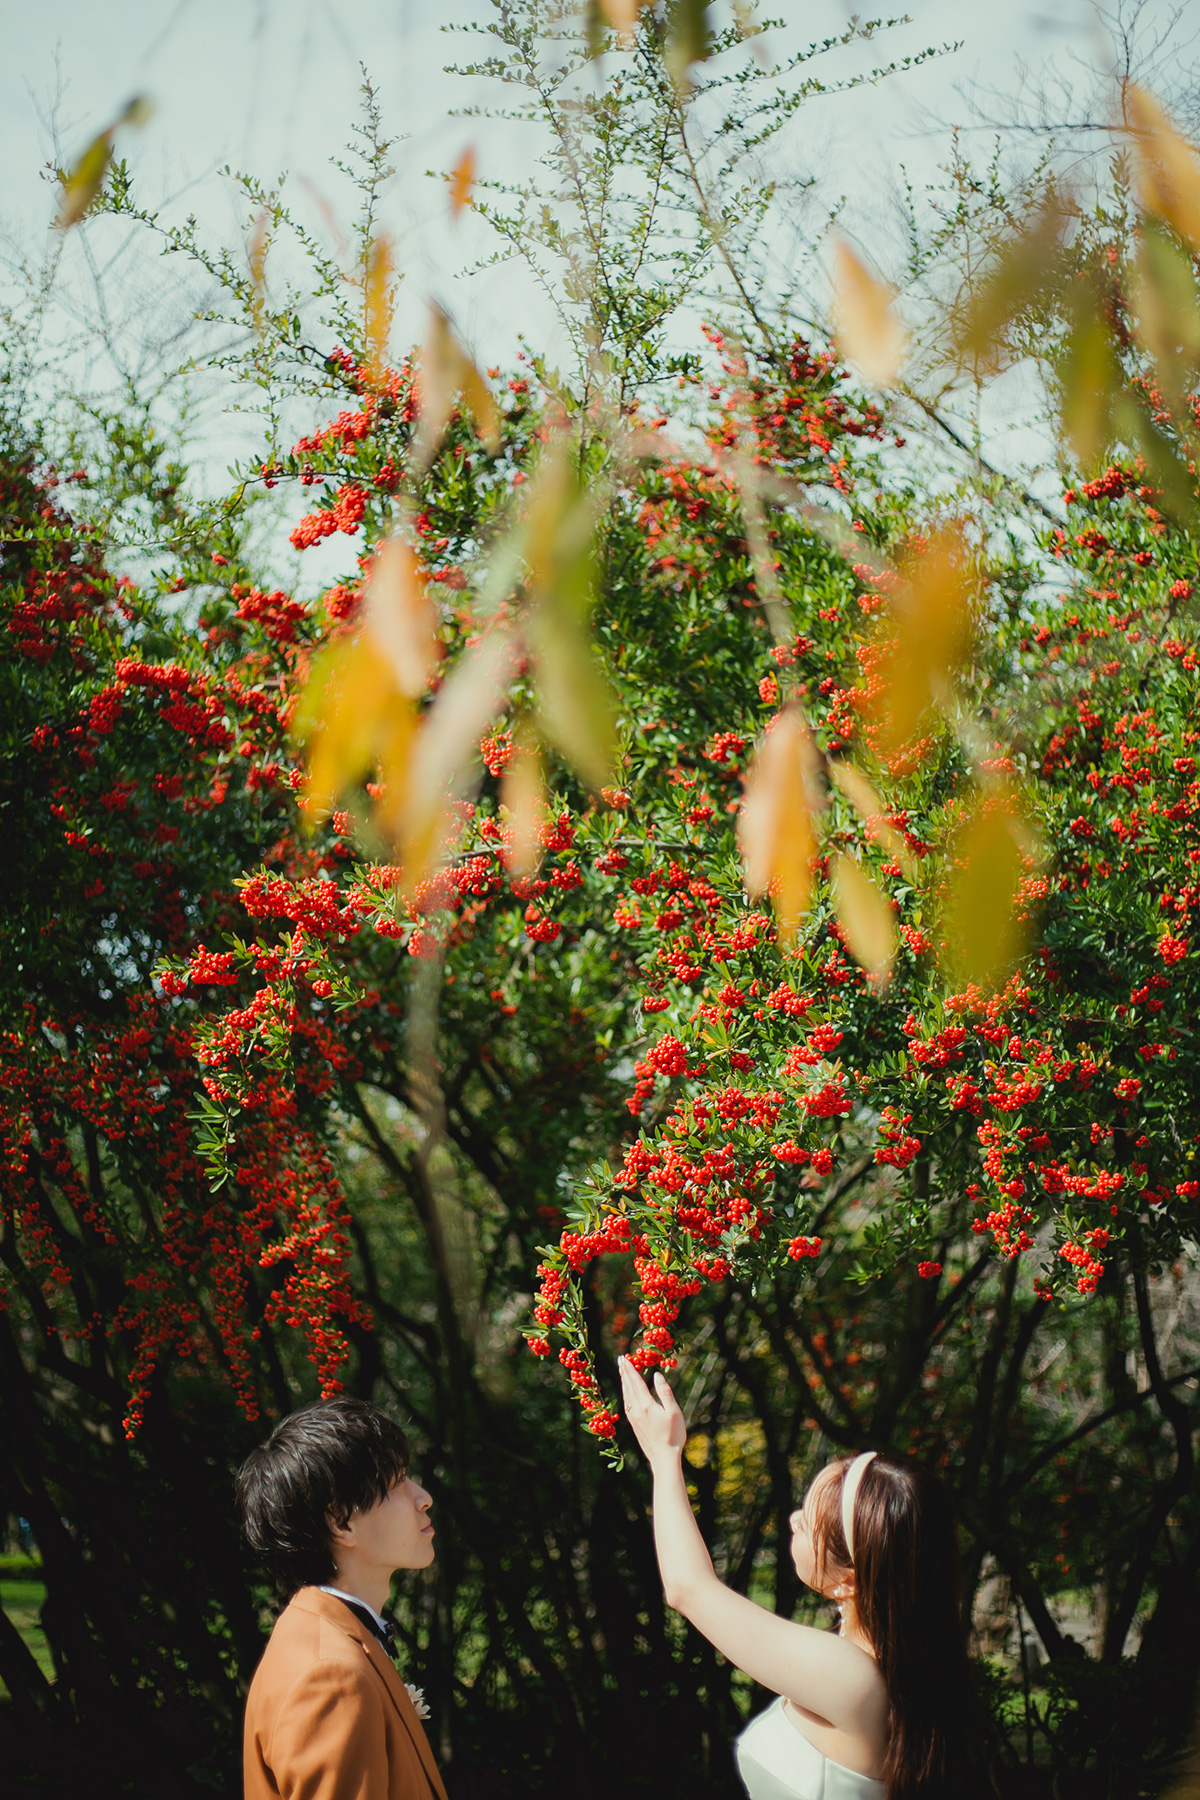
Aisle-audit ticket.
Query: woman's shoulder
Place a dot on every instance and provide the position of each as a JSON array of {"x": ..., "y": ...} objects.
[
  {"x": 857, "y": 1696},
  {"x": 782, "y": 1757}
]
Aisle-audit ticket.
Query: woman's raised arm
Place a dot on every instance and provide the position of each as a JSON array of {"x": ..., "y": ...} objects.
[{"x": 820, "y": 1672}]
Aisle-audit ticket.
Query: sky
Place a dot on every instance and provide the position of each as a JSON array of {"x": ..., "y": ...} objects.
[{"x": 266, "y": 86}]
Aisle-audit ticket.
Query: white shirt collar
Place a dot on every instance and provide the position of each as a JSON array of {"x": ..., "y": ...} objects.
[{"x": 341, "y": 1594}]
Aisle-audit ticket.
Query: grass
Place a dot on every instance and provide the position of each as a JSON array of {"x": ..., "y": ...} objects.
[
  {"x": 21, "y": 1596},
  {"x": 16, "y": 1565}
]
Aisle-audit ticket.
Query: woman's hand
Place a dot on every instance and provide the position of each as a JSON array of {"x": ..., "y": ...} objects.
[{"x": 658, "y": 1425}]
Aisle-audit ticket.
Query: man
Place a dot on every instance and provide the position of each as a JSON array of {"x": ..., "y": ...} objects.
[{"x": 329, "y": 1505}]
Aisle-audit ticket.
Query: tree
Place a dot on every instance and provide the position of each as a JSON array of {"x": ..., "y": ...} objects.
[{"x": 607, "y": 1098}]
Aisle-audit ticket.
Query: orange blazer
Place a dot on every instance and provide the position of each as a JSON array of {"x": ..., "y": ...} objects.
[{"x": 327, "y": 1716}]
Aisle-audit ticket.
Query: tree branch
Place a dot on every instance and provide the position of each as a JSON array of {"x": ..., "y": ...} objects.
[{"x": 948, "y": 430}]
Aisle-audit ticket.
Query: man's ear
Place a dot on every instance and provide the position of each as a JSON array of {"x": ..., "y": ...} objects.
[{"x": 341, "y": 1534}]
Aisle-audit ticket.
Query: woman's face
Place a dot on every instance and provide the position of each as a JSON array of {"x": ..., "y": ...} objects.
[{"x": 804, "y": 1548}]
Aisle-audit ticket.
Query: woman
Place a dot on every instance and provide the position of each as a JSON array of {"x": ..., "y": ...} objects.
[{"x": 878, "y": 1710}]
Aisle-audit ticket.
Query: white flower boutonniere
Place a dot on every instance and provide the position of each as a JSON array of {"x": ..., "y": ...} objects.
[{"x": 417, "y": 1696}]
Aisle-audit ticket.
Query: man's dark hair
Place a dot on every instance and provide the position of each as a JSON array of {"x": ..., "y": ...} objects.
[{"x": 318, "y": 1466}]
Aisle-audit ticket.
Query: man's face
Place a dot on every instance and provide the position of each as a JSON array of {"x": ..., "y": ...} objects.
[{"x": 395, "y": 1533}]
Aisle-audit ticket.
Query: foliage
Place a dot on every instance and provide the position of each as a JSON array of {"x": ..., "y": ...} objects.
[
  {"x": 651, "y": 197},
  {"x": 287, "y": 1110},
  {"x": 127, "y": 808}
]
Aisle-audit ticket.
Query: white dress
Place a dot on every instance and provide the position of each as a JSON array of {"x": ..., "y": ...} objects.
[{"x": 777, "y": 1762}]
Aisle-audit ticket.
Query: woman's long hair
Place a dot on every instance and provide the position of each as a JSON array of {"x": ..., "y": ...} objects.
[{"x": 907, "y": 1593}]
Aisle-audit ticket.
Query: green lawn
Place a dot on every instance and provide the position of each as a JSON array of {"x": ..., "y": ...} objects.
[{"x": 21, "y": 1596}]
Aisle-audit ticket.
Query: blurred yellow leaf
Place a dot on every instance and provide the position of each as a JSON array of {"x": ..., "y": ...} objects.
[
  {"x": 462, "y": 181},
  {"x": 1166, "y": 469},
  {"x": 350, "y": 707},
  {"x": 870, "y": 809},
  {"x": 775, "y": 829},
  {"x": 327, "y": 213},
  {"x": 444, "y": 750},
  {"x": 353, "y": 716},
  {"x": 1018, "y": 273},
  {"x": 447, "y": 373},
  {"x": 81, "y": 187},
  {"x": 523, "y": 792},
  {"x": 573, "y": 698},
  {"x": 440, "y": 378},
  {"x": 1166, "y": 165},
  {"x": 869, "y": 329},
  {"x": 1091, "y": 378},
  {"x": 401, "y": 616},
  {"x": 748, "y": 473},
  {"x": 688, "y": 40},
  {"x": 377, "y": 306},
  {"x": 138, "y": 111},
  {"x": 622, "y": 15},
  {"x": 988, "y": 857},
  {"x": 561, "y": 530},
  {"x": 928, "y": 631},
  {"x": 479, "y": 397},
  {"x": 256, "y": 251},
  {"x": 394, "y": 740},
  {"x": 1164, "y": 300},
  {"x": 865, "y": 916},
  {"x": 574, "y": 701}
]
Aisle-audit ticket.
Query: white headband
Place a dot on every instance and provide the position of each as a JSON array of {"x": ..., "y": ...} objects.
[{"x": 850, "y": 1486}]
